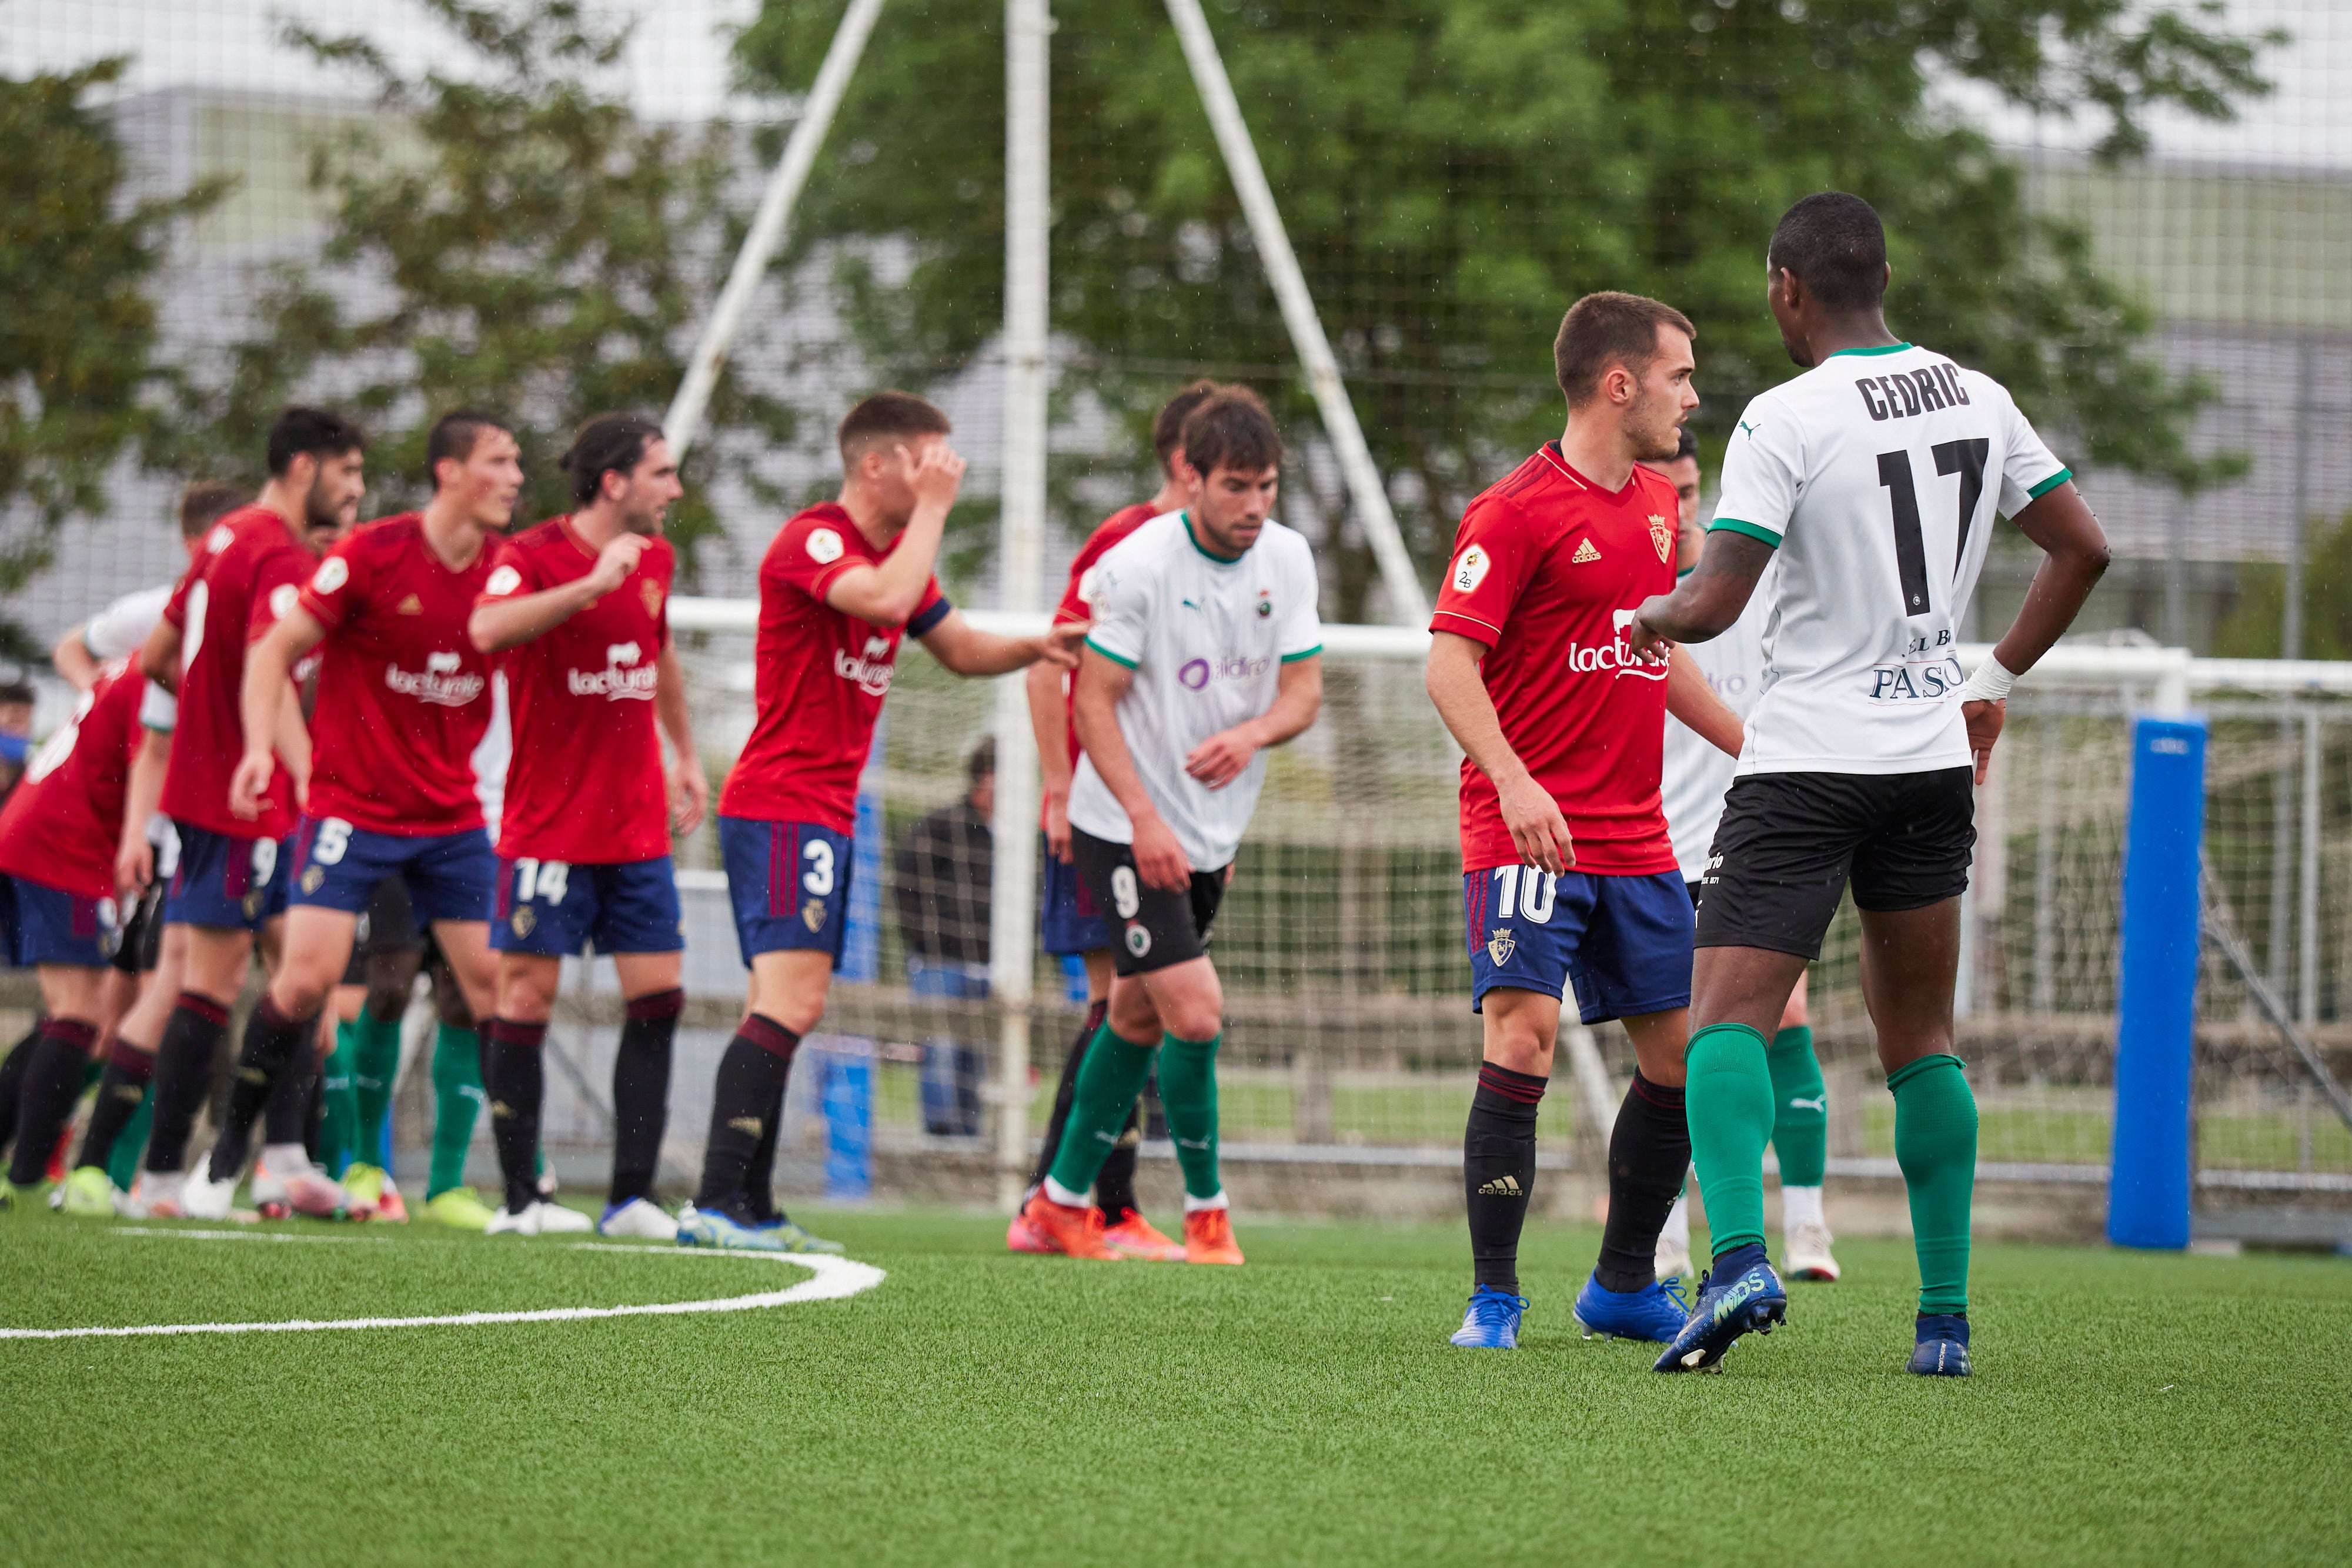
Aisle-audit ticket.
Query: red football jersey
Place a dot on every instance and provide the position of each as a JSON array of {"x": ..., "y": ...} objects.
[
  {"x": 1077, "y": 598},
  {"x": 820, "y": 677},
  {"x": 249, "y": 573},
  {"x": 1548, "y": 570},
  {"x": 404, "y": 696},
  {"x": 62, "y": 824},
  {"x": 586, "y": 784}
]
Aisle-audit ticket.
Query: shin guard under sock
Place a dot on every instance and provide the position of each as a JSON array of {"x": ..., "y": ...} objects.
[
  {"x": 1800, "y": 1108},
  {"x": 515, "y": 1075},
  {"x": 1498, "y": 1170},
  {"x": 1066, "y": 1091},
  {"x": 1109, "y": 1081},
  {"x": 121, "y": 1091},
  {"x": 1188, "y": 1091},
  {"x": 641, "y": 1092},
  {"x": 1935, "y": 1144},
  {"x": 1649, "y": 1151},
  {"x": 458, "y": 1100},
  {"x": 1727, "y": 1093},
  {"x": 744, "y": 1104},
  {"x": 271, "y": 1040},
  {"x": 45, "y": 1098},
  {"x": 183, "y": 1077}
]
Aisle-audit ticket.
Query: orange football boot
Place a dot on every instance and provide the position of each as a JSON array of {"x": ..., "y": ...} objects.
[
  {"x": 1132, "y": 1236},
  {"x": 1021, "y": 1236},
  {"x": 1073, "y": 1232},
  {"x": 1209, "y": 1237}
]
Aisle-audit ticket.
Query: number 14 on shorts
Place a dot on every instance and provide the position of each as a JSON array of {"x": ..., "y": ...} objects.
[{"x": 541, "y": 881}]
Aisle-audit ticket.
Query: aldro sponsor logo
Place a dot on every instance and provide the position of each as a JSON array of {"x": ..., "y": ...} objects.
[
  {"x": 1198, "y": 674},
  {"x": 871, "y": 668},
  {"x": 623, "y": 678},
  {"x": 443, "y": 681}
]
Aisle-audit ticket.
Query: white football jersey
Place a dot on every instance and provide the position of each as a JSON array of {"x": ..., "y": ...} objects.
[
  {"x": 1206, "y": 639},
  {"x": 1879, "y": 474},
  {"x": 1697, "y": 772}
]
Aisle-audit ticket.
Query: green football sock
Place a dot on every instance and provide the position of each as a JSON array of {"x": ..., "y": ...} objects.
[
  {"x": 1935, "y": 1144},
  {"x": 1109, "y": 1079},
  {"x": 1800, "y": 1108},
  {"x": 376, "y": 1069},
  {"x": 457, "y": 1099},
  {"x": 339, "y": 1119},
  {"x": 1188, "y": 1091},
  {"x": 1727, "y": 1095},
  {"x": 122, "y": 1164}
]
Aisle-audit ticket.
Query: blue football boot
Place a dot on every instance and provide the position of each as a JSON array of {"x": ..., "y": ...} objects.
[
  {"x": 715, "y": 1227},
  {"x": 1658, "y": 1312},
  {"x": 1942, "y": 1347},
  {"x": 1741, "y": 1293},
  {"x": 1493, "y": 1321}
]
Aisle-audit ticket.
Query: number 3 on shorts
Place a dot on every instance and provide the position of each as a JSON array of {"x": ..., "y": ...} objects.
[
  {"x": 818, "y": 878},
  {"x": 542, "y": 880}
]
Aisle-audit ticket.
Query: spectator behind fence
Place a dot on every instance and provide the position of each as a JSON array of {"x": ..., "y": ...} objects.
[
  {"x": 940, "y": 882},
  {"x": 16, "y": 749}
]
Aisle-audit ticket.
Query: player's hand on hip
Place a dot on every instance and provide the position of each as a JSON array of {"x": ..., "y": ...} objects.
[
  {"x": 1158, "y": 858},
  {"x": 936, "y": 474},
  {"x": 1537, "y": 830},
  {"x": 615, "y": 562},
  {"x": 1643, "y": 641},
  {"x": 134, "y": 866},
  {"x": 1057, "y": 827},
  {"x": 1219, "y": 760},
  {"x": 1984, "y": 721},
  {"x": 250, "y": 782},
  {"x": 689, "y": 797},
  {"x": 1059, "y": 647}
]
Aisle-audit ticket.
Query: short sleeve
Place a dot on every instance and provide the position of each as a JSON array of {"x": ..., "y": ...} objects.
[
  {"x": 809, "y": 553},
  {"x": 1122, "y": 605},
  {"x": 1495, "y": 554},
  {"x": 1074, "y": 605},
  {"x": 121, "y": 629},
  {"x": 159, "y": 710},
  {"x": 176, "y": 608},
  {"x": 665, "y": 573},
  {"x": 930, "y": 611},
  {"x": 277, "y": 589},
  {"x": 1763, "y": 467},
  {"x": 511, "y": 573},
  {"x": 2028, "y": 471},
  {"x": 1302, "y": 627},
  {"x": 338, "y": 588}
]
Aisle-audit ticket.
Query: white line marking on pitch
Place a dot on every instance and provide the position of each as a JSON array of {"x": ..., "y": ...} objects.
[
  {"x": 243, "y": 1235},
  {"x": 835, "y": 1277}
]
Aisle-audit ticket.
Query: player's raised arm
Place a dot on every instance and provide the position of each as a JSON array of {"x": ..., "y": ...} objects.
[
  {"x": 1459, "y": 693},
  {"x": 71, "y": 659},
  {"x": 969, "y": 651},
  {"x": 500, "y": 621},
  {"x": 268, "y": 678},
  {"x": 159, "y": 659},
  {"x": 2074, "y": 556},
  {"x": 887, "y": 592},
  {"x": 1705, "y": 604}
]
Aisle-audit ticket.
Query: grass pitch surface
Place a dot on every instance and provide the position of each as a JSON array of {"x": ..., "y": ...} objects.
[{"x": 982, "y": 1408}]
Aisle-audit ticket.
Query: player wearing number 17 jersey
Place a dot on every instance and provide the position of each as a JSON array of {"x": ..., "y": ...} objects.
[{"x": 1873, "y": 483}]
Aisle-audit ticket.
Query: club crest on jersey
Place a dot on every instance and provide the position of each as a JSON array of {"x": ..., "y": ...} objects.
[
  {"x": 650, "y": 592},
  {"x": 1265, "y": 604},
  {"x": 524, "y": 921},
  {"x": 313, "y": 879},
  {"x": 1470, "y": 569},
  {"x": 1501, "y": 945},
  {"x": 825, "y": 546},
  {"x": 412, "y": 605},
  {"x": 332, "y": 573},
  {"x": 871, "y": 669},
  {"x": 813, "y": 916},
  {"x": 1661, "y": 535}
]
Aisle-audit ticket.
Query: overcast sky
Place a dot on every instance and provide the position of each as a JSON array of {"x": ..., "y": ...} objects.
[{"x": 676, "y": 65}]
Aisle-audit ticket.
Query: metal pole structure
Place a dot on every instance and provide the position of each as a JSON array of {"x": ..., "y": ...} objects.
[
  {"x": 2307, "y": 884},
  {"x": 1020, "y": 572},
  {"x": 683, "y": 422},
  {"x": 2282, "y": 848},
  {"x": 1407, "y": 603}
]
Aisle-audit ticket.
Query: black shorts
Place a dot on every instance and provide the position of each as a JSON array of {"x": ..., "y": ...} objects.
[
  {"x": 388, "y": 925},
  {"x": 1790, "y": 843},
  {"x": 140, "y": 945},
  {"x": 1152, "y": 928}
]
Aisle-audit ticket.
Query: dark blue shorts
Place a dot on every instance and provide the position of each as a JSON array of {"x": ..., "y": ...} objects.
[
  {"x": 555, "y": 909},
  {"x": 1069, "y": 921},
  {"x": 1623, "y": 942},
  {"x": 52, "y": 926},
  {"x": 789, "y": 883},
  {"x": 450, "y": 876},
  {"x": 229, "y": 885}
]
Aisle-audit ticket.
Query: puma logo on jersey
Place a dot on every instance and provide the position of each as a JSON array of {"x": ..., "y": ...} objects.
[
  {"x": 1584, "y": 552},
  {"x": 1505, "y": 1186}
]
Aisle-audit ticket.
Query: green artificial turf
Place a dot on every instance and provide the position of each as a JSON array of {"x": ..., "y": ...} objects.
[{"x": 983, "y": 1407}]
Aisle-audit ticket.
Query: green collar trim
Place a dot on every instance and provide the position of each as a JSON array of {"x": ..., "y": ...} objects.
[
  {"x": 1866, "y": 354},
  {"x": 1186, "y": 518}
]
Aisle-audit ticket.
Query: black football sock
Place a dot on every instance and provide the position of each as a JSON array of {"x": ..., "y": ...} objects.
[
  {"x": 1115, "y": 1183},
  {"x": 45, "y": 1099},
  {"x": 12, "y": 1079},
  {"x": 744, "y": 1105},
  {"x": 184, "y": 1078},
  {"x": 271, "y": 1042},
  {"x": 121, "y": 1089},
  {"x": 1067, "y": 1090},
  {"x": 641, "y": 1092},
  {"x": 1498, "y": 1170},
  {"x": 760, "y": 1178},
  {"x": 514, "y": 1075},
  {"x": 286, "y": 1118},
  {"x": 1648, "y": 1153}
]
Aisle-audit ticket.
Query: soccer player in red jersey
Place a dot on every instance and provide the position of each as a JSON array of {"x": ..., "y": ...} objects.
[
  {"x": 842, "y": 582},
  {"x": 1567, "y": 875},
  {"x": 584, "y": 847},
  {"x": 58, "y": 840},
  {"x": 403, "y": 698},
  {"x": 230, "y": 882},
  {"x": 1069, "y": 922}
]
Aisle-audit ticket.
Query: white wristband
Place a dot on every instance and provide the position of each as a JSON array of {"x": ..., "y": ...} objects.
[{"x": 1989, "y": 684}]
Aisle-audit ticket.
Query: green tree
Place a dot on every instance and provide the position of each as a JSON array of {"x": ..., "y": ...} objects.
[
  {"x": 2256, "y": 625},
  {"x": 78, "y": 369},
  {"x": 515, "y": 240},
  {"x": 1454, "y": 171}
]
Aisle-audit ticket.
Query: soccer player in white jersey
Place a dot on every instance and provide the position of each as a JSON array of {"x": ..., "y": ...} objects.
[
  {"x": 1205, "y": 650},
  {"x": 1873, "y": 483},
  {"x": 1696, "y": 774}
]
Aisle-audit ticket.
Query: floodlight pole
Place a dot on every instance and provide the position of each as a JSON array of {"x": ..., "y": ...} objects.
[
  {"x": 1407, "y": 603},
  {"x": 683, "y": 422},
  {"x": 1020, "y": 572}
]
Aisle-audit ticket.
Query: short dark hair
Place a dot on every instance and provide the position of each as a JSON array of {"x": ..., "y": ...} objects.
[
  {"x": 454, "y": 435},
  {"x": 1231, "y": 429},
  {"x": 298, "y": 431},
  {"x": 606, "y": 444},
  {"x": 888, "y": 415},
  {"x": 203, "y": 502},
  {"x": 1168, "y": 428},
  {"x": 1836, "y": 245},
  {"x": 18, "y": 694},
  {"x": 981, "y": 763},
  {"x": 1686, "y": 444},
  {"x": 1609, "y": 328}
]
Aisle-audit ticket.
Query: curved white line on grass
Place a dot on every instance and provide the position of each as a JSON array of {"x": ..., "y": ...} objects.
[{"x": 835, "y": 1277}]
